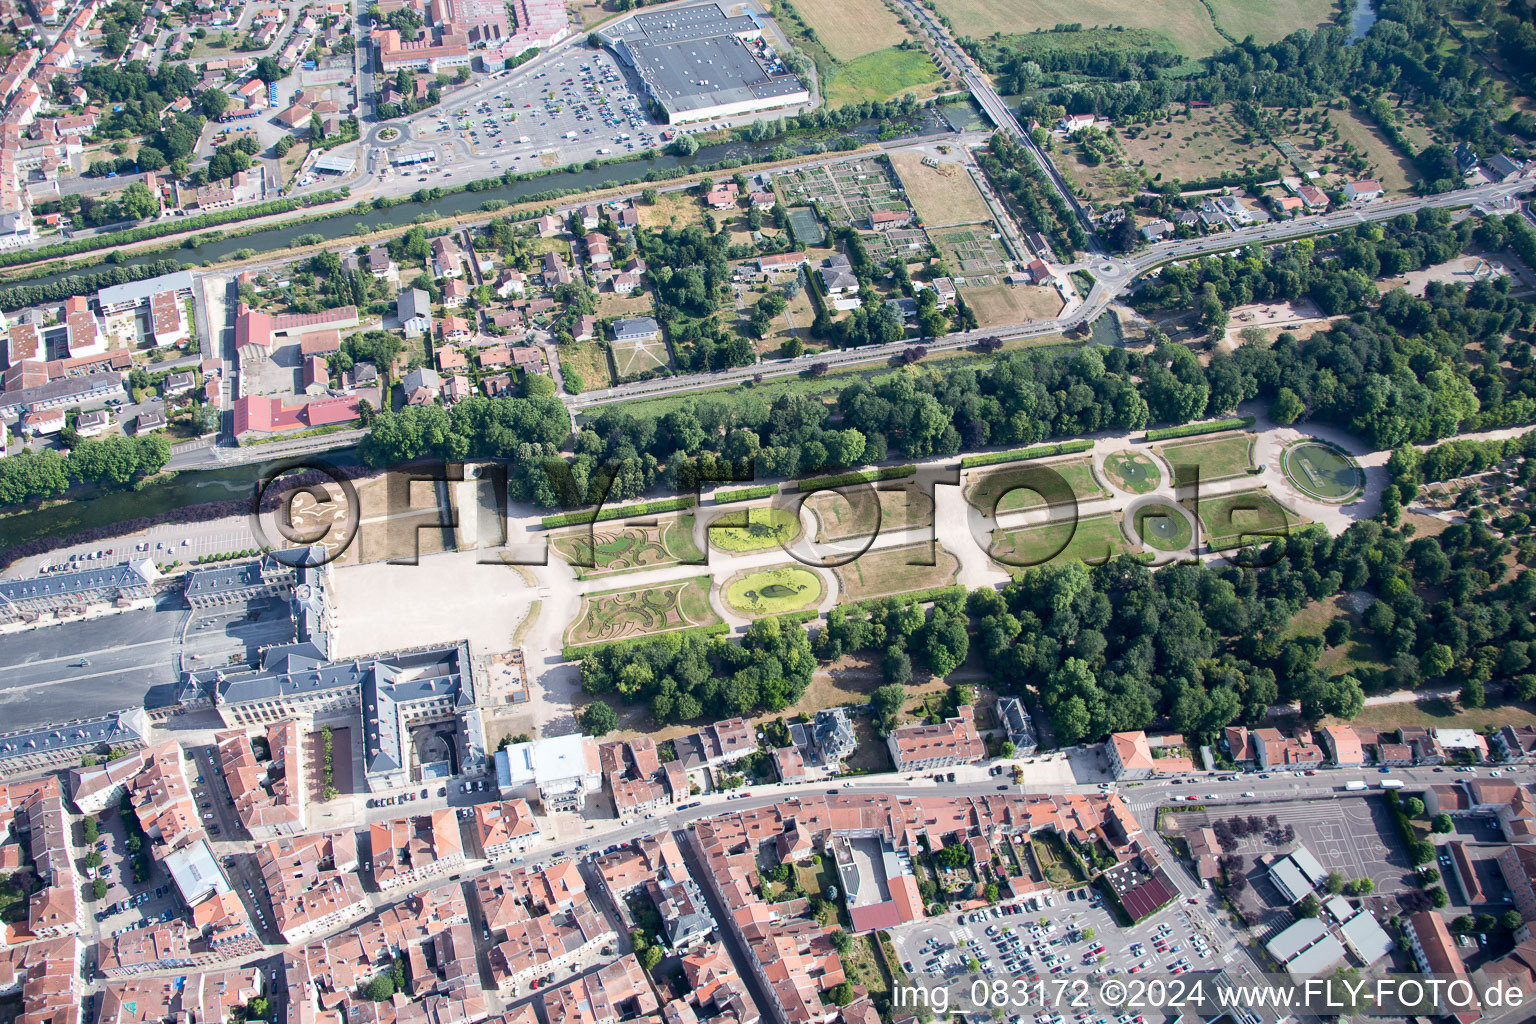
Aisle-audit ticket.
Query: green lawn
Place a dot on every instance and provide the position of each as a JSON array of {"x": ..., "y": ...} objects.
[
  {"x": 881, "y": 75},
  {"x": 775, "y": 591},
  {"x": 1095, "y": 540},
  {"x": 1002, "y": 486},
  {"x": 1245, "y": 517},
  {"x": 754, "y": 529},
  {"x": 1163, "y": 527},
  {"x": 1217, "y": 458},
  {"x": 1133, "y": 471}
]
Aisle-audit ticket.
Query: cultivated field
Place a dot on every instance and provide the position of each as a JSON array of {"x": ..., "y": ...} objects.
[
  {"x": 941, "y": 195},
  {"x": 1004, "y": 489},
  {"x": 619, "y": 614},
  {"x": 1247, "y": 517},
  {"x": 851, "y": 511},
  {"x": 783, "y": 588},
  {"x": 754, "y": 529},
  {"x": 1217, "y": 458},
  {"x": 608, "y": 549},
  {"x": 1185, "y": 23},
  {"x": 1013, "y": 303},
  {"x": 852, "y": 28},
  {"x": 890, "y": 571},
  {"x": 1092, "y": 539}
]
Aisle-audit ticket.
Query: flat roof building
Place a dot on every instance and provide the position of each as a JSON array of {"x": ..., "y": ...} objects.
[{"x": 697, "y": 63}]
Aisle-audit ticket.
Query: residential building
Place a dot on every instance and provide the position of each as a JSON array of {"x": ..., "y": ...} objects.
[
  {"x": 270, "y": 794},
  {"x": 1434, "y": 952},
  {"x": 1018, "y": 725},
  {"x": 1343, "y": 746},
  {"x": 414, "y": 308},
  {"x": 406, "y": 851},
  {"x": 636, "y": 329},
  {"x": 1131, "y": 758},
  {"x": 951, "y": 742},
  {"x": 312, "y": 883},
  {"x": 505, "y": 829}
]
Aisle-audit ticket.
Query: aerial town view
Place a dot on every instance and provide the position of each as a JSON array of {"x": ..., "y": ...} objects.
[{"x": 767, "y": 511}]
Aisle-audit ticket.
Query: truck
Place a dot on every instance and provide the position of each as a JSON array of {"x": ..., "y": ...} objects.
[
  {"x": 1391, "y": 783},
  {"x": 1355, "y": 786}
]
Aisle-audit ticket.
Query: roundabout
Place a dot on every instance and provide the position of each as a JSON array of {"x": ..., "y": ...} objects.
[
  {"x": 1321, "y": 471},
  {"x": 388, "y": 133},
  {"x": 1161, "y": 525},
  {"x": 1132, "y": 471},
  {"x": 787, "y": 588}
]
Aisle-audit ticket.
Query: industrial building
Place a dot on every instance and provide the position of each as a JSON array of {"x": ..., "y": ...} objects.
[{"x": 697, "y": 63}]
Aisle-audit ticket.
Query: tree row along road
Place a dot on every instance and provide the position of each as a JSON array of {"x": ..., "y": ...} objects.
[{"x": 1113, "y": 277}]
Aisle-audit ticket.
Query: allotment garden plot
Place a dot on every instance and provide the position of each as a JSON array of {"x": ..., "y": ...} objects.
[
  {"x": 621, "y": 614},
  {"x": 900, "y": 570},
  {"x": 605, "y": 549},
  {"x": 848, "y": 192}
]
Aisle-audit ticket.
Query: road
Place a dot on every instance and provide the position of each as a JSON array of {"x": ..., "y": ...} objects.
[{"x": 1113, "y": 277}]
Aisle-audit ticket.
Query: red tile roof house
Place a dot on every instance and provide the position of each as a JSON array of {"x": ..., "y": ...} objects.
[
  {"x": 954, "y": 741},
  {"x": 1434, "y": 952},
  {"x": 1343, "y": 746}
]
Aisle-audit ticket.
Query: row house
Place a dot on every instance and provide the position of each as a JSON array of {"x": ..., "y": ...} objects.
[
  {"x": 407, "y": 850},
  {"x": 313, "y": 883}
]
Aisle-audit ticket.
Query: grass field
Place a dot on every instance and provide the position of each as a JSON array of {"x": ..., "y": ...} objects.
[
  {"x": 754, "y": 529},
  {"x": 1092, "y": 539},
  {"x": 625, "y": 549},
  {"x": 851, "y": 28},
  {"x": 1444, "y": 714},
  {"x": 1270, "y": 20},
  {"x": 1013, "y": 303},
  {"x": 785, "y": 588},
  {"x": 633, "y": 357},
  {"x": 1205, "y": 143},
  {"x": 883, "y": 75},
  {"x": 889, "y": 571},
  {"x": 941, "y": 195},
  {"x": 1218, "y": 457},
  {"x": 1230, "y": 520},
  {"x": 1185, "y": 23},
  {"x": 1163, "y": 527},
  {"x": 998, "y": 488},
  {"x": 619, "y": 614},
  {"x": 637, "y": 303},
  {"x": 1133, "y": 471},
  {"x": 590, "y": 360},
  {"x": 851, "y": 511},
  {"x": 674, "y": 209}
]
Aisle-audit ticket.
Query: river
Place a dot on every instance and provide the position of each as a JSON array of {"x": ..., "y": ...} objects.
[{"x": 927, "y": 121}]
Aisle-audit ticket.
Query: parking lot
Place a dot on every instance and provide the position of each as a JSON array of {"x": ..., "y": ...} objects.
[
  {"x": 573, "y": 110},
  {"x": 1053, "y": 935}
]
